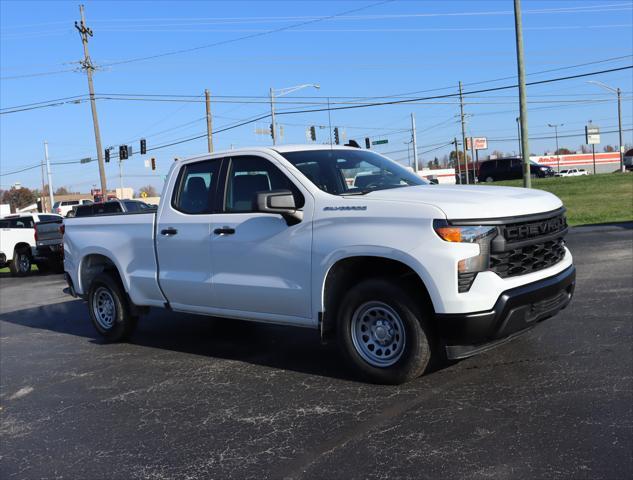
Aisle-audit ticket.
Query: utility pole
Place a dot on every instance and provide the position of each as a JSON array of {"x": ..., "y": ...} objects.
[
  {"x": 519, "y": 136},
  {"x": 415, "y": 143},
  {"x": 621, "y": 146},
  {"x": 273, "y": 127},
  {"x": 472, "y": 156},
  {"x": 50, "y": 177},
  {"x": 207, "y": 97},
  {"x": 87, "y": 65},
  {"x": 459, "y": 170},
  {"x": 461, "y": 108},
  {"x": 42, "y": 197},
  {"x": 525, "y": 147}
]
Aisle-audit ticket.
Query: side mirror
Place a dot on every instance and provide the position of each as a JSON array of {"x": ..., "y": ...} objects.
[{"x": 281, "y": 202}]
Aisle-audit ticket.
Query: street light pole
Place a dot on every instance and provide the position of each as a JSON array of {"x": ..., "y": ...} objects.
[
  {"x": 618, "y": 92},
  {"x": 555, "y": 127},
  {"x": 280, "y": 93}
]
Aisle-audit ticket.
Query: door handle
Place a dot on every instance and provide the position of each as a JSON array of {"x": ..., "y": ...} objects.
[
  {"x": 224, "y": 231},
  {"x": 168, "y": 232}
]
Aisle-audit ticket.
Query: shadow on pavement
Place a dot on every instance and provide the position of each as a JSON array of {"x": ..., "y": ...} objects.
[{"x": 286, "y": 348}]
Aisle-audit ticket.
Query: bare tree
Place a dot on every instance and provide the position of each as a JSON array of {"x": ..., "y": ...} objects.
[{"x": 149, "y": 190}]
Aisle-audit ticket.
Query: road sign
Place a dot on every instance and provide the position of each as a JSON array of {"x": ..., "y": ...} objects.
[
  {"x": 592, "y": 135},
  {"x": 85, "y": 160},
  {"x": 481, "y": 143},
  {"x": 379, "y": 142}
]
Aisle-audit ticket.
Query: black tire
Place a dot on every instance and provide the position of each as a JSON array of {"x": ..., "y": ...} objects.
[
  {"x": 106, "y": 287},
  {"x": 415, "y": 347},
  {"x": 489, "y": 179},
  {"x": 21, "y": 263}
]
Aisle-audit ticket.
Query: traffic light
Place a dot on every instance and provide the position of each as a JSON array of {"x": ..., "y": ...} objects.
[
  {"x": 336, "y": 136},
  {"x": 367, "y": 143},
  {"x": 107, "y": 155},
  {"x": 313, "y": 133},
  {"x": 143, "y": 146},
  {"x": 153, "y": 160},
  {"x": 123, "y": 152},
  {"x": 272, "y": 133}
]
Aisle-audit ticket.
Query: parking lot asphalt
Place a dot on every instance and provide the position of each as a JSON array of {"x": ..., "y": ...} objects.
[{"x": 193, "y": 397}]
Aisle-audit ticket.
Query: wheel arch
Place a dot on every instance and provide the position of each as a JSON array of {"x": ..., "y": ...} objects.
[
  {"x": 20, "y": 246},
  {"x": 93, "y": 264},
  {"x": 349, "y": 270}
]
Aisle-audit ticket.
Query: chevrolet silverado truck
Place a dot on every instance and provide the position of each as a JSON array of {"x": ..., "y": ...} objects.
[
  {"x": 19, "y": 242},
  {"x": 337, "y": 239}
]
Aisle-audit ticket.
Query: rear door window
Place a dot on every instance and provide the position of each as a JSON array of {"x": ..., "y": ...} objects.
[{"x": 195, "y": 191}]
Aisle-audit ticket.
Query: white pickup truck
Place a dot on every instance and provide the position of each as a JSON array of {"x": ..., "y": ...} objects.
[
  {"x": 341, "y": 240},
  {"x": 19, "y": 245}
]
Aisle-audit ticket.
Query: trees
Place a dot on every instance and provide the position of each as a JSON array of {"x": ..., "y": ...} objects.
[
  {"x": 18, "y": 198},
  {"x": 609, "y": 148},
  {"x": 62, "y": 191},
  {"x": 149, "y": 190},
  {"x": 460, "y": 156},
  {"x": 585, "y": 149},
  {"x": 563, "y": 151}
]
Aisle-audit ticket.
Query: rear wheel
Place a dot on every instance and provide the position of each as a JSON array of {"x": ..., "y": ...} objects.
[
  {"x": 109, "y": 309},
  {"x": 21, "y": 264},
  {"x": 382, "y": 332},
  {"x": 489, "y": 179}
]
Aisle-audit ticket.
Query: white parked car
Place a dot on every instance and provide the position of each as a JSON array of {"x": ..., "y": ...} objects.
[
  {"x": 572, "y": 172},
  {"x": 17, "y": 240},
  {"x": 65, "y": 206},
  {"x": 397, "y": 269}
]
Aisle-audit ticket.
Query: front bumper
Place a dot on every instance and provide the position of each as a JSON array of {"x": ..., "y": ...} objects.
[{"x": 515, "y": 312}]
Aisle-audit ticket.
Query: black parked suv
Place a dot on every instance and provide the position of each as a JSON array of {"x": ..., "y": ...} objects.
[
  {"x": 510, "y": 169},
  {"x": 114, "y": 206}
]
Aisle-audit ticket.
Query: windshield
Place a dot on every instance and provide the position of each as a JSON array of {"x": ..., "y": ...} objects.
[{"x": 351, "y": 172}]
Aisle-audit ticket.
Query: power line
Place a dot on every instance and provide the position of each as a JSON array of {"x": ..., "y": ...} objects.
[
  {"x": 21, "y": 170},
  {"x": 246, "y": 37},
  {"x": 20, "y": 107}
]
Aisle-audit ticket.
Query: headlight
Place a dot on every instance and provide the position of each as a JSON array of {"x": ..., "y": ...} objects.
[
  {"x": 462, "y": 234},
  {"x": 481, "y": 235}
]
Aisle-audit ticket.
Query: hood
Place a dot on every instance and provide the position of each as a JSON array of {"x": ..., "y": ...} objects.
[{"x": 472, "y": 201}]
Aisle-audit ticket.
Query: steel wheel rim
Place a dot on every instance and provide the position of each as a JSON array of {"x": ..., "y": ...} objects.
[
  {"x": 104, "y": 308},
  {"x": 378, "y": 334},
  {"x": 24, "y": 264}
]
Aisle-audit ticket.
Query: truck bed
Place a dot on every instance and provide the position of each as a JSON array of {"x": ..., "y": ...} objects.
[{"x": 131, "y": 236}]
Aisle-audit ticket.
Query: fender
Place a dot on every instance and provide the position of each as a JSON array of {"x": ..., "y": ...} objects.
[{"x": 322, "y": 270}]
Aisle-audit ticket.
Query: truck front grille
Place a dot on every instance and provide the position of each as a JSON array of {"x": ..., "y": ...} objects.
[{"x": 527, "y": 259}]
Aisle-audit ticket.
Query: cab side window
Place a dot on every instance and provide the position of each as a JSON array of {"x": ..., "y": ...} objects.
[
  {"x": 195, "y": 191},
  {"x": 247, "y": 176}
]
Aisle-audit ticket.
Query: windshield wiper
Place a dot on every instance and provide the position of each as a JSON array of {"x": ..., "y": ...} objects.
[
  {"x": 365, "y": 191},
  {"x": 357, "y": 192}
]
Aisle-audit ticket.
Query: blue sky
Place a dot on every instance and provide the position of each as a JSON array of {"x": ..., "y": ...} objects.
[{"x": 388, "y": 49}]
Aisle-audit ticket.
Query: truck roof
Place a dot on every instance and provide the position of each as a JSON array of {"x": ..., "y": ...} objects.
[{"x": 274, "y": 148}]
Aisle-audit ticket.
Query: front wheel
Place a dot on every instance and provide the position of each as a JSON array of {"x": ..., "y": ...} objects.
[
  {"x": 109, "y": 309},
  {"x": 382, "y": 332}
]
